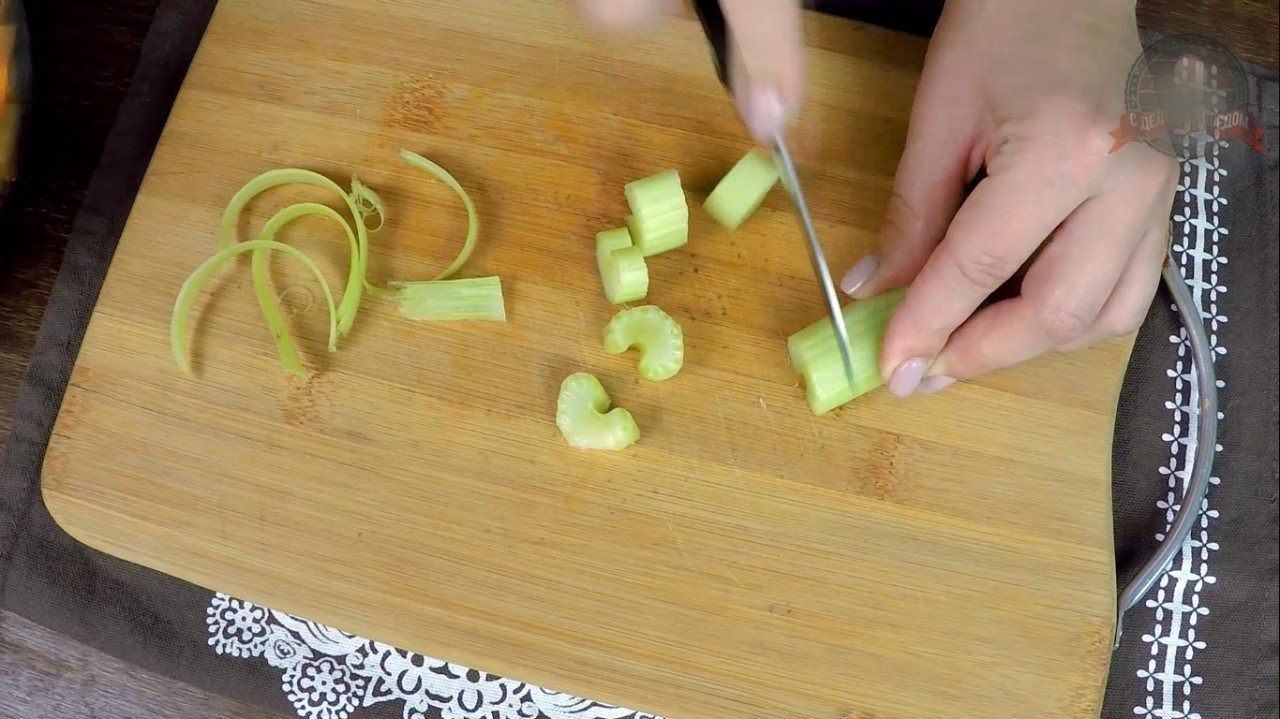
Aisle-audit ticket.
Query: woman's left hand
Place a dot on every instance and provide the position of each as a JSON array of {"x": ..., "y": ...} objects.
[{"x": 1030, "y": 89}]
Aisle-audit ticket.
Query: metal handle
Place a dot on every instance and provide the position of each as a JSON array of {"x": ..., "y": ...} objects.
[{"x": 1205, "y": 448}]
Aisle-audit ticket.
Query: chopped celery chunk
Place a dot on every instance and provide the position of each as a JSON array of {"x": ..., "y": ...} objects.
[
  {"x": 623, "y": 272},
  {"x": 740, "y": 192},
  {"x": 610, "y": 240},
  {"x": 815, "y": 355},
  {"x": 657, "y": 193},
  {"x": 659, "y": 219},
  {"x": 652, "y": 331},
  {"x": 583, "y": 420},
  {"x": 478, "y": 298}
]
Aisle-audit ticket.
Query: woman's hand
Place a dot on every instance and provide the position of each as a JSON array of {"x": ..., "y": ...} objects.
[
  {"x": 1030, "y": 89},
  {"x": 766, "y": 51}
]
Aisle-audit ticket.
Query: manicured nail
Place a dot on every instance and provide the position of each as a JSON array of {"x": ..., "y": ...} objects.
[
  {"x": 762, "y": 111},
  {"x": 907, "y": 376},
  {"x": 936, "y": 383},
  {"x": 858, "y": 275}
]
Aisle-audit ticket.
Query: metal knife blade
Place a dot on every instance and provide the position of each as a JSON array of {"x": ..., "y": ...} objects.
[
  {"x": 711, "y": 16},
  {"x": 791, "y": 182}
]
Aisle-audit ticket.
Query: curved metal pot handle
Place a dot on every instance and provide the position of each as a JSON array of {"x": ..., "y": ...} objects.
[{"x": 1205, "y": 448}]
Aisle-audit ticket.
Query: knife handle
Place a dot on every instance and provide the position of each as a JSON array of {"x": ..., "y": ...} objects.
[{"x": 713, "y": 26}]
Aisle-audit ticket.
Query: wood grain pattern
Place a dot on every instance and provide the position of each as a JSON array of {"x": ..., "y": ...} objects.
[{"x": 946, "y": 556}]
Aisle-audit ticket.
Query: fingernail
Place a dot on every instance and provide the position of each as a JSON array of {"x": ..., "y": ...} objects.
[
  {"x": 858, "y": 275},
  {"x": 762, "y": 111},
  {"x": 907, "y": 377},
  {"x": 936, "y": 383}
]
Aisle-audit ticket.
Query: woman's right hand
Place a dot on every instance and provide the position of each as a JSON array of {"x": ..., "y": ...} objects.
[{"x": 766, "y": 52}]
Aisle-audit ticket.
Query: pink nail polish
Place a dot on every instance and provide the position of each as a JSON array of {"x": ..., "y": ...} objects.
[
  {"x": 936, "y": 383},
  {"x": 907, "y": 377},
  {"x": 858, "y": 275}
]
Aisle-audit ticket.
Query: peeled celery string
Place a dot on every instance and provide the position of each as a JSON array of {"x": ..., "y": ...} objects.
[
  {"x": 289, "y": 176},
  {"x": 193, "y": 284},
  {"x": 417, "y": 300},
  {"x": 473, "y": 223},
  {"x": 270, "y": 310}
]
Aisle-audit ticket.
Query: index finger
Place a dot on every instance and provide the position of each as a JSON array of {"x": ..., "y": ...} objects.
[
  {"x": 766, "y": 62},
  {"x": 618, "y": 14},
  {"x": 996, "y": 229}
]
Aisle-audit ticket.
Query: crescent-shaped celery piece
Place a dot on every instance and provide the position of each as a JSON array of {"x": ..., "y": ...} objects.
[
  {"x": 653, "y": 332},
  {"x": 740, "y": 192},
  {"x": 292, "y": 176},
  {"x": 814, "y": 354},
  {"x": 196, "y": 281},
  {"x": 473, "y": 223},
  {"x": 624, "y": 275},
  {"x": 476, "y": 299},
  {"x": 659, "y": 219},
  {"x": 583, "y": 420}
]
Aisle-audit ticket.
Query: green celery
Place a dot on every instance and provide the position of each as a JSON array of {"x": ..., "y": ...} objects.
[
  {"x": 654, "y": 333},
  {"x": 582, "y": 418}
]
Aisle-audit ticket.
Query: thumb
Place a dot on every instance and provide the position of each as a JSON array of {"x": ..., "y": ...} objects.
[
  {"x": 937, "y": 163},
  {"x": 766, "y": 62}
]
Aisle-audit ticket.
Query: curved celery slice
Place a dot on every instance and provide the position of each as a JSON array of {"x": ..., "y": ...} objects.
[
  {"x": 623, "y": 272},
  {"x": 478, "y": 298},
  {"x": 473, "y": 223},
  {"x": 740, "y": 192},
  {"x": 659, "y": 219},
  {"x": 657, "y": 336},
  {"x": 583, "y": 421},
  {"x": 197, "y": 280},
  {"x": 292, "y": 176},
  {"x": 350, "y": 294},
  {"x": 266, "y": 181},
  {"x": 815, "y": 355}
]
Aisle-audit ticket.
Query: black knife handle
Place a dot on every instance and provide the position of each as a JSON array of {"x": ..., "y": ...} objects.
[{"x": 712, "y": 18}]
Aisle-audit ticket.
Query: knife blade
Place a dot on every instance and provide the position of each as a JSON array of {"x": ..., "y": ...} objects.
[
  {"x": 816, "y": 256},
  {"x": 711, "y": 16}
]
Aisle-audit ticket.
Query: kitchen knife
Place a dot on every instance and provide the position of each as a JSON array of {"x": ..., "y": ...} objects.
[{"x": 711, "y": 16}]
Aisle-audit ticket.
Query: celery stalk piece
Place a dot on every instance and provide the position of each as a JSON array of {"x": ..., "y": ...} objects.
[
  {"x": 740, "y": 192},
  {"x": 582, "y": 418},
  {"x": 196, "y": 281},
  {"x": 623, "y": 272},
  {"x": 659, "y": 219},
  {"x": 610, "y": 240},
  {"x": 473, "y": 222},
  {"x": 652, "y": 331},
  {"x": 815, "y": 355},
  {"x": 478, "y": 298},
  {"x": 625, "y": 275}
]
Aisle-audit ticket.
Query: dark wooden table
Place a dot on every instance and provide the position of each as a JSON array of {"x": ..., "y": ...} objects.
[{"x": 84, "y": 55}]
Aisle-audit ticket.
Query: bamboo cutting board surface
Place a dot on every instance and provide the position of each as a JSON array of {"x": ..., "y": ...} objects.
[{"x": 946, "y": 556}]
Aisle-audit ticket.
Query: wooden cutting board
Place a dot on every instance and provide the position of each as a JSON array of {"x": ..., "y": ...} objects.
[{"x": 946, "y": 556}]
